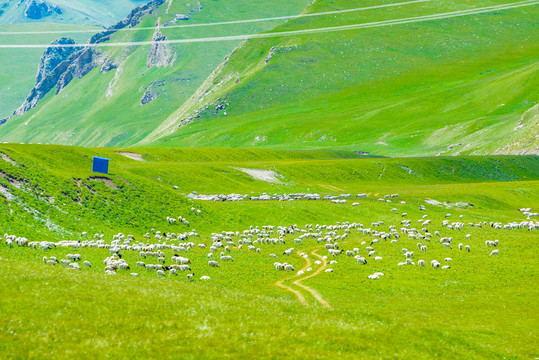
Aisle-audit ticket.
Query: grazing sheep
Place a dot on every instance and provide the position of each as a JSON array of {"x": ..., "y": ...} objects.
[
  {"x": 173, "y": 272},
  {"x": 461, "y": 246},
  {"x": 373, "y": 277},
  {"x": 190, "y": 277},
  {"x": 377, "y": 258},
  {"x": 205, "y": 277},
  {"x": 289, "y": 268},
  {"x": 435, "y": 264},
  {"x": 110, "y": 272},
  {"x": 446, "y": 267},
  {"x": 134, "y": 274},
  {"x": 467, "y": 247},
  {"x": 421, "y": 263},
  {"x": 447, "y": 259},
  {"x": 160, "y": 273},
  {"x": 495, "y": 252},
  {"x": 301, "y": 272},
  {"x": 328, "y": 270},
  {"x": 361, "y": 261},
  {"x": 318, "y": 262},
  {"x": 87, "y": 263},
  {"x": 213, "y": 263}
]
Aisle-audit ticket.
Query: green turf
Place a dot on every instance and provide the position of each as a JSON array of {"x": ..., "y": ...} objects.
[{"x": 482, "y": 308}]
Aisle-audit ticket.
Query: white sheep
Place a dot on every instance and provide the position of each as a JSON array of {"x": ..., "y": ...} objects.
[
  {"x": 87, "y": 263},
  {"x": 495, "y": 252},
  {"x": 213, "y": 263},
  {"x": 204, "y": 277},
  {"x": 328, "y": 270},
  {"x": 421, "y": 263}
]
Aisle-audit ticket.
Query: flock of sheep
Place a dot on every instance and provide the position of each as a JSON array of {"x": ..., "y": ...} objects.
[{"x": 352, "y": 240}]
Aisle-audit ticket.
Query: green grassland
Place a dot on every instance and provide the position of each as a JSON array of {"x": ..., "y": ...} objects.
[
  {"x": 482, "y": 308},
  {"x": 458, "y": 86}
]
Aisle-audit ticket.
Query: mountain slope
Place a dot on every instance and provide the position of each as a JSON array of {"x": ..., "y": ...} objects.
[
  {"x": 457, "y": 85},
  {"x": 80, "y": 12},
  {"x": 445, "y": 86},
  {"x": 107, "y": 109},
  {"x": 19, "y": 80}
]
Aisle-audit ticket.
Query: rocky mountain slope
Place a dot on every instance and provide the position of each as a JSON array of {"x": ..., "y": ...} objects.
[
  {"x": 438, "y": 87},
  {"x": 81, "y": 12}
]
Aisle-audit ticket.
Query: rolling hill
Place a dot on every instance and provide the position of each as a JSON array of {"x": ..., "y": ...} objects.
[{"x": 442, "y": 84}]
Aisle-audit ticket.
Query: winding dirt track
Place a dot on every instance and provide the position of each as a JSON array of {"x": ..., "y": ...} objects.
[{"x": 314, "y": 293}]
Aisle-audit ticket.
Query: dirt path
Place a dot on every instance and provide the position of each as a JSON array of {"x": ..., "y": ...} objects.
[
  {"x": 301, "y": 298},
  {"x": 314, "y": 293}
]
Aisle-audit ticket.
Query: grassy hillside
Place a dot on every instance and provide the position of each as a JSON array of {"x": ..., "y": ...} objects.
[
  {"x": 481, "y": 308},
  {"x": 22, "y": 65},
  {"x": 405, "y": 89},
  {"x": 85, "y": 115},
  {"x": 54, "y": 185},
  {"x": 79, "y": 12},
  {"x": 460, "y": 85}
]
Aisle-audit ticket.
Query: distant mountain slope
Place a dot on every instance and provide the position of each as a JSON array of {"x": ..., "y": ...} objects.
[
  {"x": 146, "y": 84},
  {"x": 20, "y": 67},
  {"x": 450, "y": 86},
  {"x": 81, "y": 12},
  {"x": 457, "y": 85}
]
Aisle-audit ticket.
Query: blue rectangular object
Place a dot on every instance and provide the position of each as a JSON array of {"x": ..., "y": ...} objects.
[{"x": 101, "y": 165}]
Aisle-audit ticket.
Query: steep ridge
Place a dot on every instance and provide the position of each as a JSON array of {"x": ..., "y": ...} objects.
[
  {"x": 59, "y": 66},
  {"x": 81, "y": 12}
]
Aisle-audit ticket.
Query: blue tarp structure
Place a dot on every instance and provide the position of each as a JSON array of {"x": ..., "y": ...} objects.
[{"x": 101, "y": 165}]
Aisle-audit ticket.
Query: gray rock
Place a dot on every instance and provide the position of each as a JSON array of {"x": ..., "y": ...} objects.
[
  {"x": 152, "y": 92},
  {"x": 53, "y": 56},
  {"x": 160, "y": 54},
  {"x": 38, "y": 9}
]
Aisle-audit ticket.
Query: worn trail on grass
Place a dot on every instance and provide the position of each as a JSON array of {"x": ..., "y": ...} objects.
[{"x": 314, "y": 293}]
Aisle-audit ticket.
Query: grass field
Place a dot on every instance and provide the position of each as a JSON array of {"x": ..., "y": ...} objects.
[{"x": 482, "y": 308}]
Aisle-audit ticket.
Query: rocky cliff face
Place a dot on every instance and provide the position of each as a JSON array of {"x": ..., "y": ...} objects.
[
  {"x": 77, "y": 65},
  {"x": 160, "y": 54},
  {"x": 59, "y": 66},
  {"x": 53, "y": 56},
  {"x": 37, "y": 9},
  {"x": 133, "y": 19}
]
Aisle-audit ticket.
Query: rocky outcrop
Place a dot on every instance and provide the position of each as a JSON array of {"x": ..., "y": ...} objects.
[
  {"x": 38, "y": 9},
  {"x": 152, "y": 92},
  {"x": 77, "y": 65},
  {"x": 133, "y": 19},
  {"x": 53, "y": 56},
  {"x": 160, "y": 54},
  {"x": 57, "y": 71}
]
